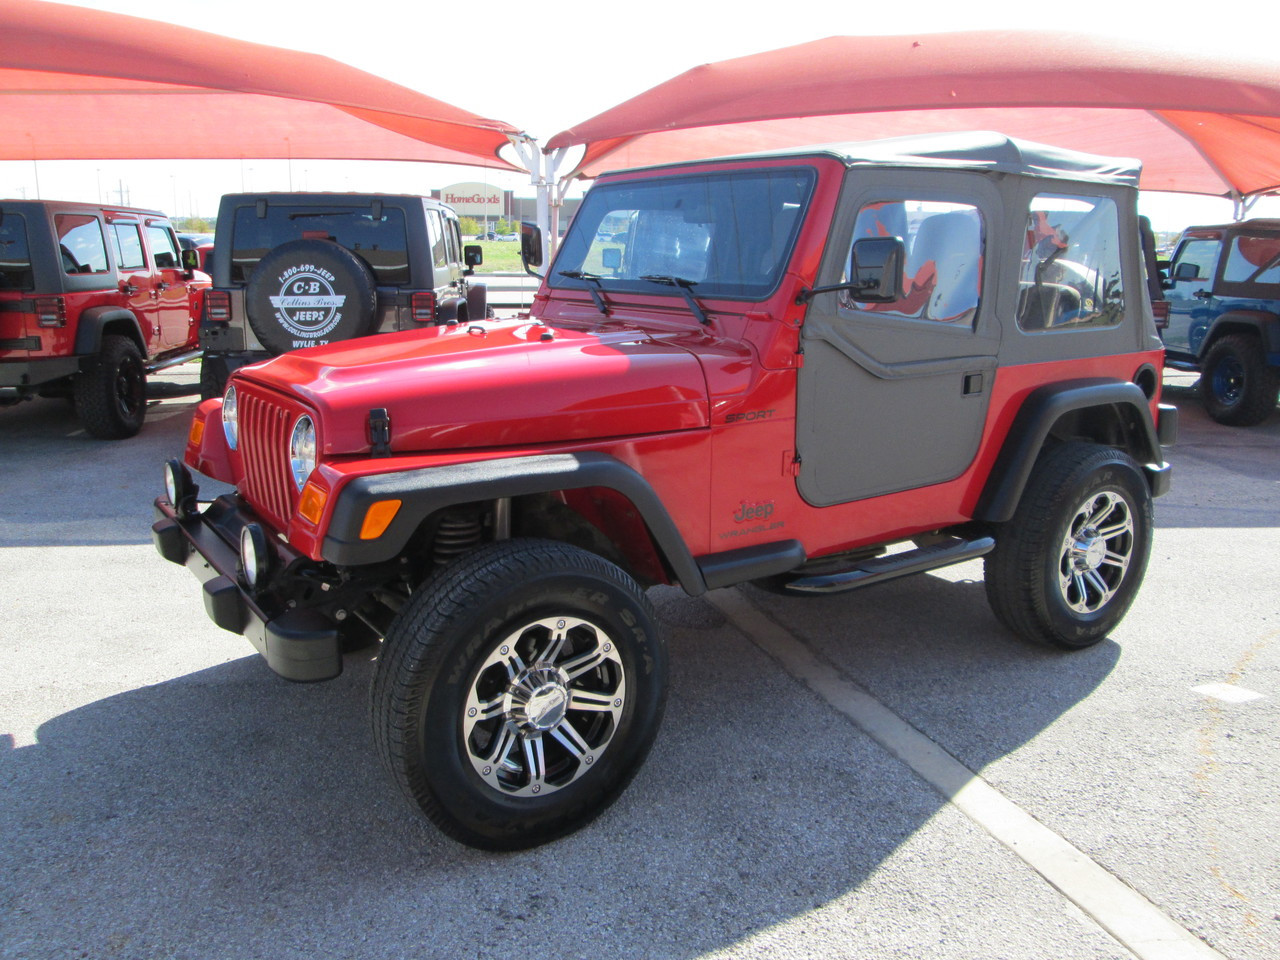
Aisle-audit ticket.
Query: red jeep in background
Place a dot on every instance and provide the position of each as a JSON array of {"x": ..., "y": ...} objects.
[
  {"x": 814, "y": 371},
  {"x": 92, "y": 299}
]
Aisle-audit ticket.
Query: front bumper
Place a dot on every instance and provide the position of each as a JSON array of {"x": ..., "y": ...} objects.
[{"x": 298, "y": 644}]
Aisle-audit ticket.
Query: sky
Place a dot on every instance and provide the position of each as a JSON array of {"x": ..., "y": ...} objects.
[{"x": 545, "y": 68}]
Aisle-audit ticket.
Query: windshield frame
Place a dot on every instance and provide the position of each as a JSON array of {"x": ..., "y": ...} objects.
[{"x": 582, "y": 247}]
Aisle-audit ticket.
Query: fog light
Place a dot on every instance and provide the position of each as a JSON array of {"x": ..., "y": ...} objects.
[
  {"x": 181, "y": 489},
  {"x": 255, "y": 559}
]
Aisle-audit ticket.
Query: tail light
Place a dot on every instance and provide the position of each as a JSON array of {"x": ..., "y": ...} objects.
[
  {"x": 422, "y": 306},
  {"x": 51, "y": 312},
  {"x": 217, "y": 305},
  {"x": 1161, "y": 310}
]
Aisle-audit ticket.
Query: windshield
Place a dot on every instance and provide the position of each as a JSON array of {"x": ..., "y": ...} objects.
[{"x": 730, "y": 235}]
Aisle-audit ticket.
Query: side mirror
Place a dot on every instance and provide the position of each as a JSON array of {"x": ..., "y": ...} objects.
[
  {"x": 611, "y": 259},
  {"x": 472, "y": 256},
  {"x": 530, "y": 246},
  {"x": 190, "y": 260},
  {"x": 1186, "y": 271},
  {"x": 875, "y": 269}
]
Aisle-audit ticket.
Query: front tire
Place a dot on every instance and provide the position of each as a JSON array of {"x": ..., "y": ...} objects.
[
  {"x": 111, "y": 396},
  {"x": 518, "y": 693},
  {"x": 1067, "y": 566},
  {"x": 1237, "y": 386}
]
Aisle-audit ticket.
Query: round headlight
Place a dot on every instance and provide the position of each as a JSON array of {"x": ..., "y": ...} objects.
[
  {"x": 254, "y": 556},
  {"x": 230, "y": 417},
  {"x": 302, "y": 450},
  {"x": 181, "y": 489}
]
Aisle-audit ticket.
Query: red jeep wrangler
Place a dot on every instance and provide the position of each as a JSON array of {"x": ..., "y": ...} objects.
[
  {"x": 815, "y": 370},
  {"x": 92, "y": 299}
]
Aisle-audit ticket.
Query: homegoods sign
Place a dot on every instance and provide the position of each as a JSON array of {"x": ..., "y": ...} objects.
[{"x": 473, "y": 199}]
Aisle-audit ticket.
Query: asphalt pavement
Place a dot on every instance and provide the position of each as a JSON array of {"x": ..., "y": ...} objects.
[{"x": 163, "y": 794}]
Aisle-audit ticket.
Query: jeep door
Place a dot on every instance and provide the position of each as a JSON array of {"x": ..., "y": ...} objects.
[
  {"x": 173, "y": 296},
  {"x": 137, "y": 281},
  {"x": 1192, "y": 305},
  {"x": 893, "y": 396}
]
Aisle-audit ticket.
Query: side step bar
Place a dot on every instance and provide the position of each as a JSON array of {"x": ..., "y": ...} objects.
[{"x": 880, "y": 569}]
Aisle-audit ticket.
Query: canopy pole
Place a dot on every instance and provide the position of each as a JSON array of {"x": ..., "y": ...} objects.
[
  {"x": 542, "y": 169},
  {"x": 1242, "y": 205}
]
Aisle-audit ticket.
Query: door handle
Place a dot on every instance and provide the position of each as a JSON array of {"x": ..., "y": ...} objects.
[
  {"x": 127, "y": 288},
  {"x": 1203, "y": 295},
  {"x": 162, "y": 286}
]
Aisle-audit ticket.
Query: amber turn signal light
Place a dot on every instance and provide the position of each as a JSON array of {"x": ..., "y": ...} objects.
[
  {"x": 311, "y": 503},
  {"x": 377, "y": 518}
]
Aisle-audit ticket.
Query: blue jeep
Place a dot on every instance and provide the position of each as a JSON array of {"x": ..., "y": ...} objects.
[{"x": 1223, "y": 290}]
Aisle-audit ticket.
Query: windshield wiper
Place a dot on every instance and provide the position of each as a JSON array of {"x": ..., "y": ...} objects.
[
  {"x": 594, "y": 289},
  {"x": 685, "y": 287}
]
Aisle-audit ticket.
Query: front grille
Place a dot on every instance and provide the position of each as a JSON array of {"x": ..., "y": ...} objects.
[{"x": 265, "y": 426}]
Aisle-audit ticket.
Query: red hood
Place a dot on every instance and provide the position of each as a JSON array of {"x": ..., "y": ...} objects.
[{"x": 491, "y": 385}]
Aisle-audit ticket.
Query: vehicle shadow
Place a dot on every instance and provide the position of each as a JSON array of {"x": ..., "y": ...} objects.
[
  {"x": 228, "y": 813},
  {"x": 52, "y": 491}
]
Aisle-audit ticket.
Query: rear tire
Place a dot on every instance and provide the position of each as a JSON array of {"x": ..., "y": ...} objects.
[
  {"x": 1067, "y": 566},
  {"x": 518, "y": 693},
  {"x": 111, "y": 395},
  {"x": 1237, "y": 386}
]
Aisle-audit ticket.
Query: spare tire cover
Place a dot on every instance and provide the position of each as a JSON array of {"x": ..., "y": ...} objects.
[{"x": 308, "y": 292}]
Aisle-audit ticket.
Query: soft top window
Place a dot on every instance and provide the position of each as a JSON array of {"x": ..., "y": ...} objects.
[
  {"x": 1071, "y": 273},
  {"x": 381, "y": 243},
  {"x": 1253, "y": 259},
  {"x": 728, "y": 234},
  {"x": 942, "y": 272},
  {"x": 15, "y": 257}
]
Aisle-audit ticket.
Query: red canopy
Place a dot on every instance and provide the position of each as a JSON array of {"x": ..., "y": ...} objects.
[
  {"x": 1200, "y": 121},
  {"x": 85, "y": 84}
]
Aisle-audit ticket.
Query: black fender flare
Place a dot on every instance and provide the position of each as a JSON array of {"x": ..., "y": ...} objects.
[
  {"x": 94, "y": 322},
  {"x": 1043, "y": 408},
  {"x": 422, "y": 492},
  {"x": 450, "y": 310},
  {"x": 1266, "y": 325}
]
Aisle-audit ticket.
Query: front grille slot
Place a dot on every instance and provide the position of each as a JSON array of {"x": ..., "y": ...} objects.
[{"x": 264, "y": 446}]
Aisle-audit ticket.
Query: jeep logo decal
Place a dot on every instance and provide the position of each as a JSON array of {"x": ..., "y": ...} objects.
[
  {"x": 753, "y": 511},
  {"x": 307, "y": 305}
]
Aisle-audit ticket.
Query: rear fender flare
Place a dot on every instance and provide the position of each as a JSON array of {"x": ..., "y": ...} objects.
[
  {"x": 93, "y": 325},
  {"x": 1036, "y": 419},
  {"x": 1265, "y": 325},
  {"x": 423, "y": 492}
]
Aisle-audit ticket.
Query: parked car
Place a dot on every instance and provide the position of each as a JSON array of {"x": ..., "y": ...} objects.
[
  {"x": 92, "y": 300},
  {"x": 1223, "y": 305},
  {"x": 300, "y": 269},
  {"x": 815, "y": 370}
]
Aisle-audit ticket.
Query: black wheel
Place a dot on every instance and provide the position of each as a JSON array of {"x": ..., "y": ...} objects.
[
  {"x": 516, "y": 695},
  {"x": 308, "y": 292},
  {"x": 111, "y": 395},
  {"x": 211, "y": 384},
  {"x": 1237, "y": 386},
  {"x": 1067, "y": 566}
]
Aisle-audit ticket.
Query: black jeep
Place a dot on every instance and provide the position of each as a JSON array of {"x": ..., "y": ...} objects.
[{"x": 304, "y": 269}]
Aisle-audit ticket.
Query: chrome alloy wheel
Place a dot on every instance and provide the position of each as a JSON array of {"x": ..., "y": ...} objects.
[
  {"x": 1096, "y": 552},
  {"x": 544, "y": 706}
]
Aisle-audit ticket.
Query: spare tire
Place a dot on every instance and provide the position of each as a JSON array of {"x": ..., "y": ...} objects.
[{"x": 308, "y": 292}]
